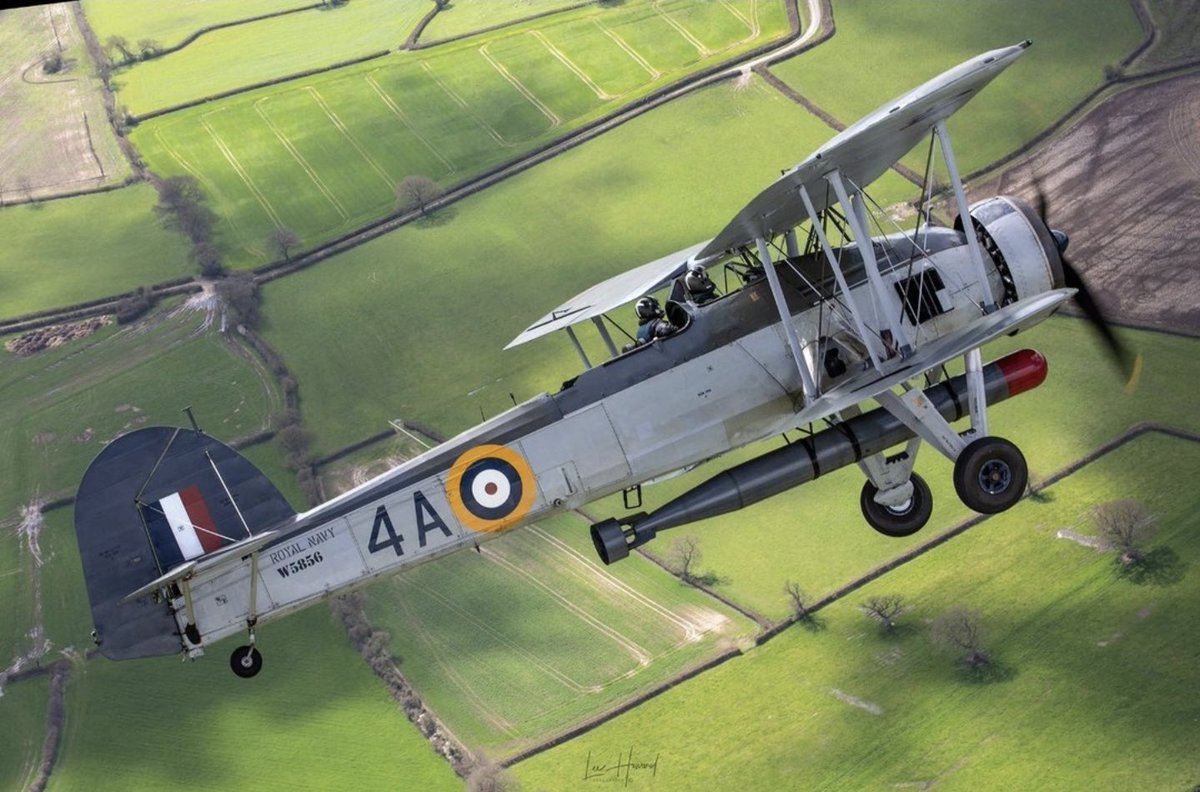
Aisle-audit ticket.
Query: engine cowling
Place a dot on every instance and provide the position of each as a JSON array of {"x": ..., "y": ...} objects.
[{"x": 1023, "y": 249}]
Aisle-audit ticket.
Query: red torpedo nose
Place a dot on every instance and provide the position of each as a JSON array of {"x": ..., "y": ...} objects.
[{"x": 1023, "y": 370}]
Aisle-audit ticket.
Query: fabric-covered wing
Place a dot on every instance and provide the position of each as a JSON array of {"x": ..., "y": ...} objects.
[
  {"x": 862, "y": 152},
  {"x": 615, "y": 291}
]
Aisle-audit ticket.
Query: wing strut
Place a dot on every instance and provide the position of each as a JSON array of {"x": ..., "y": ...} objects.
[
  {"x": 855, "y": 313},
  {"x": 789, "y": 329},
  {"x": 608, "y": 342},
  {"x": 862, "y": 236},
  {"x": 943, "y": 136}
]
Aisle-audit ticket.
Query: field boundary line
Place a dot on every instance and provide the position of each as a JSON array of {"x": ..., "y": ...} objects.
[
  {"x": 493, "y": 28},
  {"x": 191, "y": 169},
  {"x": 563, "y": 679},
  {"x": 690, "y": 628},
  {"x": 296, "y": 155},
  {"x": 195, "y": 34},
  {"x": 237, "y": 166},
  {"x": 341, "y": 127},
  {"x": 752, "y": 23},
  {"x": 701, "y": 48},
  {"x": 452, "y": 673},
  {"x": 565, "y": 61},
  {"x": 635, "y": 650},
  {"x": 464, "y": 104},
  {"x": 555, "y": 121},
  {"x": 386, "y": 98},
  {"x": 629, "y": 50}
]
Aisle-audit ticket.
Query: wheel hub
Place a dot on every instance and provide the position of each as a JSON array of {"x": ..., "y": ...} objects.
[{"x": 995, "y": 476}]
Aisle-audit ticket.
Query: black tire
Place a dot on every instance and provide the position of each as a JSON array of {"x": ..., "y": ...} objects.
[
  {"x": 246, "y": 661},
  {"x": 898, "y": 522},
  {"x": 990, "y": 475}
]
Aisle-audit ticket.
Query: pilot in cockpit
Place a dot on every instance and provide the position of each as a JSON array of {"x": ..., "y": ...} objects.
[
  {"x": 698, "y": 287},
  {"x": 652, "y": 323}
]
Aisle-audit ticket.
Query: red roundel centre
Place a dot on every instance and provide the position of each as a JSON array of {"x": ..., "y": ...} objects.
[{"x": 490, "y": 488}]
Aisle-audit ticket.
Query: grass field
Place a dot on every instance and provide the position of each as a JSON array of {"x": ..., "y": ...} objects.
[
  {"x": 236, "y": 56},
  {"x": 54, "y": 132},
  {"x": 467, "y": 16},
  {"x": 566, "y": 640},
  {"x": 62, "y": 405},
  {"x": 1093, "y": 690},
  {"x": 76, "y": 249},
  {"x": 876, "y": 56},
  {"x": 22, "y": 732},
  {"x": 323, "y": 155},
  {"x": 170, "y": 23},
  {"x": 314, "y": 718},
  {"x": 424, "y": 312}
]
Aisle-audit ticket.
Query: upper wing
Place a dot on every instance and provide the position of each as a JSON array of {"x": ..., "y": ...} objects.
[
  {"x": 613, "y": 292},
  {"x": 862, "y": 152}
]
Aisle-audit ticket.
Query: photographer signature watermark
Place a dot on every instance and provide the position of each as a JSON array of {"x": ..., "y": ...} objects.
[{"x": 624, "y": 770}]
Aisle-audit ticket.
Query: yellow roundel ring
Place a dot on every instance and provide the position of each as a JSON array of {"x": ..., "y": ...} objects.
[{"x": 490, "y": 488}]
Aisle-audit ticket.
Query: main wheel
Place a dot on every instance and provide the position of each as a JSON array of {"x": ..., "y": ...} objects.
[
  {"x": 904, "y": 521},
  {"x": 990, "y": 475},
  {"x": 246, "y": 661}
]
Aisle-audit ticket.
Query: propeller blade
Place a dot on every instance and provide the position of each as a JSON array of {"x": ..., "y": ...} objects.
[{"x": 1129, "y": 364}]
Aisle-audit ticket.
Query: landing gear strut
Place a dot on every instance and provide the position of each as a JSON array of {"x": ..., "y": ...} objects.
[
  {"x": 990, "y": 475},
  {"x": 902, "y": 520}
]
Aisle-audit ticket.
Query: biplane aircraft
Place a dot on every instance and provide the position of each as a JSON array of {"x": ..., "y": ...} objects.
[{"x": 184, "y": 542}]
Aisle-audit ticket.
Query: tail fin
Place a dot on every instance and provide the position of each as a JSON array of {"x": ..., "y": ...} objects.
[{"x": 152, "y": 500}]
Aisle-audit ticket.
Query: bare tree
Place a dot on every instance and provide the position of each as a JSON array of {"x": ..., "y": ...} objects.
[
  {"x": 207, "y": 259},
  {"x": 960, "y": 630},
  {"x": 489, "y": 776},
  {"x": 52, "y": 62},
  {"x": 685, "y": 557},
  {"x": 26, "y": 188},
  {"x": 121, "y": 45},
  {"x": 148, "y": 48},
  {"x": 799, "y": 600},
  {"x": 417, "y": 192},
  {"x": 181, "y": 207},
  {"x": 283, "y": 240},
  {"x": 885, "y": 610},
  {"x": 1127, "y": 525},
  {"x": 240, "y": 294}
]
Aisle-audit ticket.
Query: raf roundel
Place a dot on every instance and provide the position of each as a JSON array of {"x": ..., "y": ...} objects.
[{"x": 490, "y": 488}]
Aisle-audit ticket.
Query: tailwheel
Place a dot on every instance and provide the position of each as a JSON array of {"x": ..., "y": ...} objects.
[
  {"x": 903, "y": 520},
  {"x": 246, "y": 661},
  {"x": 990, "y": 475}
]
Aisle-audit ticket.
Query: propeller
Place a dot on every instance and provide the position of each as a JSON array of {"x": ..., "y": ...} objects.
[{"x": 1129, "y": 364}]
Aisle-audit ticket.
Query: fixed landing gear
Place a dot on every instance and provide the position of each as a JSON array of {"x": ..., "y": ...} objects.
[
  {"x": 902, "y": 520},
  {"x": 246, "y": 661},
  {"x": 990, "y": 475}
]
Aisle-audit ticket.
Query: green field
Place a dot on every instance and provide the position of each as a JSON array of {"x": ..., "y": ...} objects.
[
  {"x": 513, "y": 252},
  {"x": 76, "y": 249},
  {"x": 467, "y": 16},
  {"x": 1094, "y": 680},
  {"x": 170, "y": 23},
  {"x": 567, "y": 640},
  {"x": 61, "y": 406},
  {"x": 323, "y": 155},
  {"x": 232, "y": 57},
  {"x": 22, "y": 732},
  {"x": 314, "y": 718},
  {"x": 875, "y": 57}
]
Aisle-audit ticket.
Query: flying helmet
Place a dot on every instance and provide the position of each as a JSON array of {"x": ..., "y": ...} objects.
[{"x": 648, "y": 308}]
